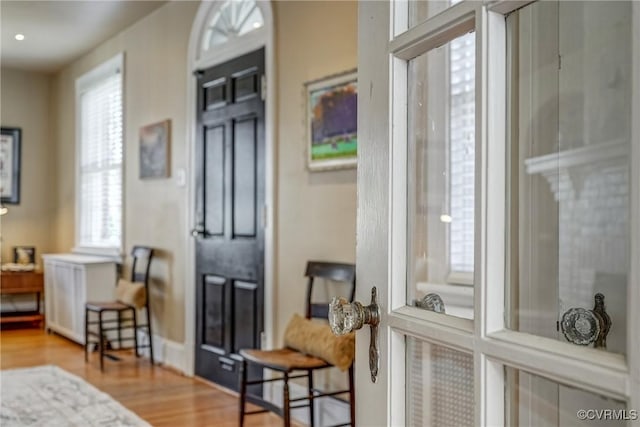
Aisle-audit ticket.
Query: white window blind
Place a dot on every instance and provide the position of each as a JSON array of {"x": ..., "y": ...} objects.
[
  {"x": 100, "y": 159},
  {"x": 462, "y": 153}
]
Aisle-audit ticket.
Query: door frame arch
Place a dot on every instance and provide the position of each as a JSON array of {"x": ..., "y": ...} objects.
[{"x": 263, "y": 37}]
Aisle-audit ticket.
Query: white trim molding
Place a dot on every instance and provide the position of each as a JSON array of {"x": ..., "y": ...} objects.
[
  {"x": 263, "y": 37},
  {"x": 165, "y": 352}
]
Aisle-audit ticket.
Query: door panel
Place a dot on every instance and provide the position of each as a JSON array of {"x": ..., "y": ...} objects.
[
  {"x": 214, "y": 180},
  {"x": 572, "y": 200},
  {"x": 554, "y": 140},
  {"x": 244, "y": 179},
  {"x": 440, "y": 385},
  {"x": 540, "y": 405},
  {"x": 245, "y": 309},
  {"x": 229, "y": 197},
  {"x": 214, "y": 312}
]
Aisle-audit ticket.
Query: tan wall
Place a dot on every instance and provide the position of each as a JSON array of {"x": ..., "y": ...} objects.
[
  {"x": 316, "y": 210},
  {"x": 155, "y": 211},
  {"x": 25, "y": 104}
]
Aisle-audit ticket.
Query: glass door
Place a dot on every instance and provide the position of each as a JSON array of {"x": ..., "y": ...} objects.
[{"x": 498, "y": 212}]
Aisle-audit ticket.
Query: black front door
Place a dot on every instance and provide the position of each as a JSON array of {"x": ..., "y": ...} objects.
[{"x": 229, "y": 202}]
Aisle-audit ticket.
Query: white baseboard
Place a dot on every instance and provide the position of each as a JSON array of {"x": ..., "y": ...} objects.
[
  {"x": 165, "y": 352},
  {"x": 328, "y": 411}
]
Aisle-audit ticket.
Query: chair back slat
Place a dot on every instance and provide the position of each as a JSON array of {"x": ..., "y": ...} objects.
[
  {"x": 142, "y": 256},
  {"x": 331, "y": 270},
  {"x": 337, "y": 272},
  {"x": 319, "y": 311}
]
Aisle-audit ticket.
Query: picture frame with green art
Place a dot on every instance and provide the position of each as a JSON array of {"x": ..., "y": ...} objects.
[{"x": 332, "y": 122}]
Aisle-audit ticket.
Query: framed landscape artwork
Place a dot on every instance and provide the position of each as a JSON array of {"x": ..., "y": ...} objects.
[
  {"x": 10, "y": 165},
  {"x": 154, "y": 150},
  {"x": 332, "y": 122}
]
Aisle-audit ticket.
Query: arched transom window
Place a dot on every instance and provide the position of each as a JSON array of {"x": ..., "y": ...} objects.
[{"x": 234, "y": 18}]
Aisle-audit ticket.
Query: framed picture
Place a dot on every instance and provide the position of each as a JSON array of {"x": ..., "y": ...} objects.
[
  {"x": 24, "y": 255},
  {"x": 10, "y": 139},
  {"x": 154, "y": 150},
  {"x": 332, "y": 122}
]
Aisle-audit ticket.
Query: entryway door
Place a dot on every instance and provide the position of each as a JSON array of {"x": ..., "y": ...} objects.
[
  {"x": 499, "y": 212},
  {"x": 230, "y": 198}
]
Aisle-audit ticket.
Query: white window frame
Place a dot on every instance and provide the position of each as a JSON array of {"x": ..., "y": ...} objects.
[{"x": 83, "y": 83}]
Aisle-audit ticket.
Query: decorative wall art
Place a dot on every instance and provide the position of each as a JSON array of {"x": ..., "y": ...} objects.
[
  {"x": 155, "y": 140},
  {"x": 24, "y": 255},
  {"x": 332, "y": 121},
  {"x": 10, "y": 140}
]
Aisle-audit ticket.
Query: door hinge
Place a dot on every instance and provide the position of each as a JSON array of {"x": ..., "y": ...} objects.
[
  {"x": 263, "y": 86},
  {"x": 559, "y": 62}
]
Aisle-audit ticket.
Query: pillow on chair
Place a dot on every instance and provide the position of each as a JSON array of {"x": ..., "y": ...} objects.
[
  {"x": 316, "y": 339},
  {"x": 131, "y": 293}
]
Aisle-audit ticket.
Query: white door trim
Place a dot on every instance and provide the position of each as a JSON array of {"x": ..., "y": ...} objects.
[{"x": 234, "y": 48}]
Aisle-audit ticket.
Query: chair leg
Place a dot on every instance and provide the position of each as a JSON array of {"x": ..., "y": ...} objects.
[
  {"x": 101, "y": 341},
  {"x": 119, "y": 330},
  {"x": 149, "y": 330},
  {"x": 243, "y": 390},
  {"x": 311, "y": 405},
  {"x": 135, "y": 331},
  {"x": 86, "y": 335},
  {"x": 352, "y": 397},
  {"x": 287, "y": 405}
]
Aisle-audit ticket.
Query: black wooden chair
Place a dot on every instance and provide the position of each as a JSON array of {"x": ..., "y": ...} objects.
[
  {"x": 288, "y": 361},
  {"x": 122, "y": 313}
]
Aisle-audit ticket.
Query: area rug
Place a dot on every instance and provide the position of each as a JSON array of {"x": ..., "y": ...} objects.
[{"x": 49, "y": 396}]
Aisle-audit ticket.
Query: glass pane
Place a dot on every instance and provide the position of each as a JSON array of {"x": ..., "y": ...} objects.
[
  {"x": 421, "y": 10},
  {"x": 535, "y": 401},
  {"x": 235, "y": 18},
  {"x": 441, "y": 177},
  {"x": 439, "y": 385},
  {"x": 570, "y": 94}
]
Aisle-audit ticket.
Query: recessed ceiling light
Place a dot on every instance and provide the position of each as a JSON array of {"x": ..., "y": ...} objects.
[
  {"x": 20, "y": 37},
  {"x": 257, "y": 25}
]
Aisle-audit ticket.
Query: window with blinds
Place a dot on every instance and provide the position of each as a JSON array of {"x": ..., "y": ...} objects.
[
  {"x": 462, "y": 153},
  {"x": 100, "y": 154}
]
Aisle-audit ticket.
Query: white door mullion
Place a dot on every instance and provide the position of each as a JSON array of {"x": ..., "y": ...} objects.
[
  {"x": 633, "y": 336},
  {"x": 590, "y": 369},
  {"x": 459, "y": 338}
]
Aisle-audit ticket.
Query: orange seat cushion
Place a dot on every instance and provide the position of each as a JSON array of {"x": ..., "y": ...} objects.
[{"x": 316, "y": 339}]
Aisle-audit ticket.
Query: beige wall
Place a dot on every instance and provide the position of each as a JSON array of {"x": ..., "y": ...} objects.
[
  {"x": 316, "y": 211},
  {"x": 155, "y": 79},
  {"x": 25, "y": 104}
]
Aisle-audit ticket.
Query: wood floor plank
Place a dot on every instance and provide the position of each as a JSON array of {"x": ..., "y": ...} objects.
[{"x": 162, "y": 397}]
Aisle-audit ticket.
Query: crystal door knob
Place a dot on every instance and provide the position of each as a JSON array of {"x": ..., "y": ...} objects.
[
  {"x": 583, "y": 327},
  {"x": 345, "y": 317},
  {"x": 432, "y": 302}
]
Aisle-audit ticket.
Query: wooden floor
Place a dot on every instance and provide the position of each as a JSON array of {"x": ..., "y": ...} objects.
[{"x": 160, "y": 396}]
